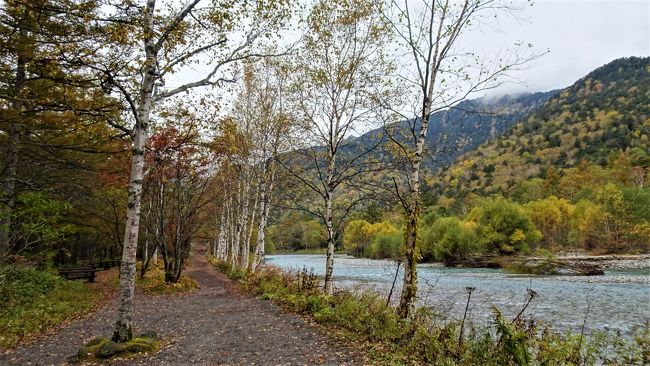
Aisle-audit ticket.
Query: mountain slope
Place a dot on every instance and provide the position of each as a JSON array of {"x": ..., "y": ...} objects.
[
  {"x": 605, "y": 112},
  {"x": 463, "y": 127}
]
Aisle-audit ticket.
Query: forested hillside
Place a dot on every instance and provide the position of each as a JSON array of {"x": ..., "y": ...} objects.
[
  {"x": 580, "y": 161},
  {"x": 570, "y": 176},
  {"x": 600, "y": 115}
]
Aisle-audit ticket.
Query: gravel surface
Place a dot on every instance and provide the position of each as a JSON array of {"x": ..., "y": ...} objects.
[{"x": 213, "y": 325}]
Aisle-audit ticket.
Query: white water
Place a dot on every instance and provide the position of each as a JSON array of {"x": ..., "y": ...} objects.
[{"x": 617, "y": 301}]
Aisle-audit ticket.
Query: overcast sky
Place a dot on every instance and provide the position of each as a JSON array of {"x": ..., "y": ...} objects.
[{"x": 580, "y": 34}]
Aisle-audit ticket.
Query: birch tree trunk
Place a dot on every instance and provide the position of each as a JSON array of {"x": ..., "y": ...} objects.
[
  {"x": 249, "y": 234},
  {"x": 123, "y": 326},
  {"x": 411, "y": 253},
  {"x": 243, "y": 223},
  {"x": 265, "y": 200},
  {"x": 329, "y": 261},
  {"x": 222, "y": 234},
  {"x": 234, "y": 239},
  {"x": 154, "y": 256}
]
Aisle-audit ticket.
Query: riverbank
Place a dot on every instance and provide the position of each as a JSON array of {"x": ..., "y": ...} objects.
[
  {"x": 605, "y": 262},
  {"x": 612, "y": 262},
  {"x": 615, "y": 301},
  {"x": 431, "y": 337}
]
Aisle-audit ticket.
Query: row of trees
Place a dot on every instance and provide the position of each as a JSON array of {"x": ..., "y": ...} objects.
[
  {"x": 605, "y": 218},
  {"x": 84, "y": 83},
  {"x": 94, "y": 87},
  {"x": 251, "y": 138}
]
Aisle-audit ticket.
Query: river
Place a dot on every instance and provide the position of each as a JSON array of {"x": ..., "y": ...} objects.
[{"x": 618, "y": 300}]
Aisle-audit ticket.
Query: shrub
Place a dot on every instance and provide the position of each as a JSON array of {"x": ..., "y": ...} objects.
[
  {"x": 154, "y": 283},
  {"x": 387, "y": 245},
  {"x": 503, "y": 226},
  {"x": 449, "y": 240},
  {"x": 357, "y": 237},
  {"x": 379, "y": 240}
]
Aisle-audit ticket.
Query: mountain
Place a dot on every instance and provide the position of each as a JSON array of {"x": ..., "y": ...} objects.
[
  {"x": 464, "y": 127},
  {"x": 602, "y": 114}
]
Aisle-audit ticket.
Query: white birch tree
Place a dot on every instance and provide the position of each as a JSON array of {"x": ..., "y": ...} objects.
[
  {"x": 337, "y": 72},
  {"x": 437, "y": 74}
]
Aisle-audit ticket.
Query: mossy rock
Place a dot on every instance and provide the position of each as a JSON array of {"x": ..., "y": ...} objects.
[
  {"x": 96, "y": 341},
  {"x": 110, "y": 349},
  {"x": 140, "y": 344},
  {"x": 91, "y": 348},
  {"x": 103, "y": 348}
]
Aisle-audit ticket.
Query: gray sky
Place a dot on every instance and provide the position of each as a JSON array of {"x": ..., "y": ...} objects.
[{"x": 581, "y": 36}]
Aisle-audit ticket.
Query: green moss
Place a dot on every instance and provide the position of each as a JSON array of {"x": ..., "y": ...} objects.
[
  {"x": 102, "y": 348},
  {"x": 110, "y": 349},
  {"x": 96, "y": 341}
]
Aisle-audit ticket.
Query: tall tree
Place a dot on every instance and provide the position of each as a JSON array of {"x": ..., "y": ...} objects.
[
  {"x": 50, "y": 111},
  {"x": 178, "y": 193},
  {"x": 438, "y": 73},
  {"x": 339, "y": 69}
]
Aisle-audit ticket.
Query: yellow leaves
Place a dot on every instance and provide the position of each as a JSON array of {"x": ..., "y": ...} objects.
[
  {"x": 517, "y": 236},
  {"x": 446, "y": 202},
  {"x": 469, "y": 225}
]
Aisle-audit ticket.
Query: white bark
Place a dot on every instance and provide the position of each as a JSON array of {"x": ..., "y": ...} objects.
[
  {"x": 123, "y": 326},
  {"x": 249, "y": 233},
  {"x": 266, "y": 189},
  {"x": 329, "y": 224},
  {"x": 220, "y": 252}
]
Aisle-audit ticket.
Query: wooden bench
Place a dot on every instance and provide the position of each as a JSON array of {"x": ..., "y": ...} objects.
[
  {"x": 106, "y": 264},
  {"x": 74, "y": 273}
]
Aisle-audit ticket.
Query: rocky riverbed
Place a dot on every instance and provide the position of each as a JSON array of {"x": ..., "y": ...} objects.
[{"x": 613, "y": 262}]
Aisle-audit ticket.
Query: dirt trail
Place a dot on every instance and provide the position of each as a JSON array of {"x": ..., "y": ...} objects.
[{"x": 212, "y": 325}]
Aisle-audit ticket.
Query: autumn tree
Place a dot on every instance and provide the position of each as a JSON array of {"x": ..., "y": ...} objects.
[
  {"x": 267, "y": 88},
  {"x": 177, "y": 192},
  {"x": 249, "y": 140},
  {"x": 438, "y": 73},
  {"x": 52, "y": 118},
  {"x": 336, "y": 74},
  {"x": 553, "y": 217}
]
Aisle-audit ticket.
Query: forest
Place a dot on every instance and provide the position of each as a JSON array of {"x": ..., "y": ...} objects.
[{"x": 145, "y": 135}]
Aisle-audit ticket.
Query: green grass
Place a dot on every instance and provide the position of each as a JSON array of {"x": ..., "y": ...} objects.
[
  {"x": 364, "y": 319},
  {"x": 33, "y": 300},
  {"x": 154, "y": 283}
]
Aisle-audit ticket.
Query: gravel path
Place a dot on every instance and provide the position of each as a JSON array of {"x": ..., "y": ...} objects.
[{"x": 213, "y": 325}]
